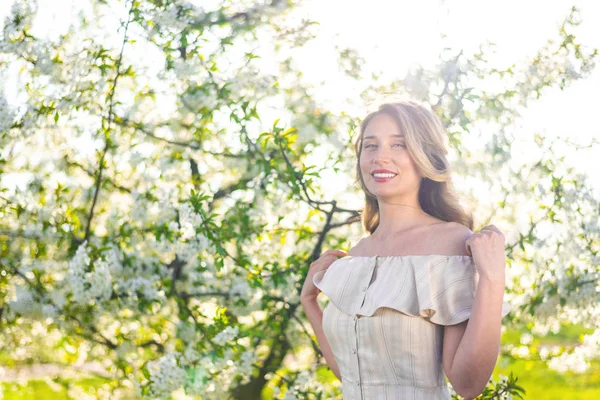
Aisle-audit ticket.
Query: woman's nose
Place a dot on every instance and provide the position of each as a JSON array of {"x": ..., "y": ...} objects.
[{"x": 382, "y": 154}]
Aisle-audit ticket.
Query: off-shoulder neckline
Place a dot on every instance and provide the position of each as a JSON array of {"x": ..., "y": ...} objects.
[{"x": 411, "y": 255}]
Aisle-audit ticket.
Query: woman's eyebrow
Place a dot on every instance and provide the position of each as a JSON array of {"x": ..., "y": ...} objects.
[{"x": 375, "y": 137}]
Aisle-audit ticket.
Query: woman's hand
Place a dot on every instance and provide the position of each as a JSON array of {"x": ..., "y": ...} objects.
[
  {"x": 309, "y": 290},
  {"x": 487, "y": 249}
]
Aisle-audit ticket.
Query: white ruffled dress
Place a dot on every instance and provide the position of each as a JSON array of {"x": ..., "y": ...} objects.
[{"x": 385, "y": 317}]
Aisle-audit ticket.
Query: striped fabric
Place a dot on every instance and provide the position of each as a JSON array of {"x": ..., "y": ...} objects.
[{"x": 384, "y": 321}]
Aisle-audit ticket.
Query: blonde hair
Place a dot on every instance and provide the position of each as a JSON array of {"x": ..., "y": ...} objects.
[{"x": 426, "y": 142}]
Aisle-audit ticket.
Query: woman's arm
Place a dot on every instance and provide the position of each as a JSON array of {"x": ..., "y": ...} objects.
[
  {"x": 471, "y": 348},
  {"x": 315, "y": 316}
]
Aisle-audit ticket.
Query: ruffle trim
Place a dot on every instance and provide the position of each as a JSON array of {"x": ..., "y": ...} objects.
[{"x": 439, "y": 288}]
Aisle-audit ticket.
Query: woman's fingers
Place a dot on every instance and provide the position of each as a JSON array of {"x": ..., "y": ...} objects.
[{"x": 334, "y": 253}]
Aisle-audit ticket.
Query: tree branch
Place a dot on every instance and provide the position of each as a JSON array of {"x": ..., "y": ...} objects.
[{"x": 107, "y": 129}]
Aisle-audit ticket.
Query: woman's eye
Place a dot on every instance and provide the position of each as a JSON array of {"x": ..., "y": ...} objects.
[{"x": 373, "y": 145}]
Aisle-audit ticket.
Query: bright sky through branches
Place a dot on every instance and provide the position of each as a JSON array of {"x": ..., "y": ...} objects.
[{"x": 395, "y": 35}]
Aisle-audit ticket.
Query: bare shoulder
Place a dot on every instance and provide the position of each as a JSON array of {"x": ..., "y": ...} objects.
[
  {"x": 355, "y": 250},
  {"x": 452, "y": 237}
]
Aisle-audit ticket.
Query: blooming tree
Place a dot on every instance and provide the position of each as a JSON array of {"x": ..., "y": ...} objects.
[{"x": 164, "y": 216}]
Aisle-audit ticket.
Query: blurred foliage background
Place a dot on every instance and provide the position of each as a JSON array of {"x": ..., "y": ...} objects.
[{"x": 168, "y": 174}]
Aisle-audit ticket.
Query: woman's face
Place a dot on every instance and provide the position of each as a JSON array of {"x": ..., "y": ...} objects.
[{"x": 384, "y": 148}]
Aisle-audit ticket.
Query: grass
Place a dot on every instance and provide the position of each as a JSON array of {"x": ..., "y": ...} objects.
[
  {"x": 38, "y": 389},
  {"x": 541, "y": 382}
]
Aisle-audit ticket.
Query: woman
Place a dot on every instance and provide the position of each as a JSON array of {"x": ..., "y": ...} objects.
[{"x": 421, "y": 297}]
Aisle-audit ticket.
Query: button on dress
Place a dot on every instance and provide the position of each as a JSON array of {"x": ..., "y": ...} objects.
[{"x": 385, "y": 321}]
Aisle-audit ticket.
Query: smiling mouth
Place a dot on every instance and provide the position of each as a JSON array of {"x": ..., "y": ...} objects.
[{"x": 382, "y": 175}]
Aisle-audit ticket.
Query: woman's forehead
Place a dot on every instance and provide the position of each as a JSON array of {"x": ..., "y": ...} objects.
[
  {"x": 382, "y": 135},
  {"x": 381, "y": 126}
]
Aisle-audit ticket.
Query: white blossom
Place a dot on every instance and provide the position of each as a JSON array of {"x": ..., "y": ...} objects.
[
  {"x": 188, "y": 216},
  {"x": 190, "y": 354},
  {"x": 49, "y": 311},
  {"x": 21, "y": 17},
  {"x": 95, "y": 284},
  {"x": 520, "y": 351},
  {"x": 100, "y": 280},
  {"x": 7, "y": 115},
  {"x": 574, "y": 361},
  {"x": 226, "y": 335},
  {"x": 578, "y": 360},
  {"x": 24, "y": 302},
  {"x": 173, "y": 226},
  {"x": 245, "y": 365},
  {"x": 81, "y": 260},
  {"x": 113, "y": 259},
  {"x": 166, "y": 375},
  {"x": 526, "y": 338},
  {"x": 132, "y": 288}
]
